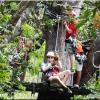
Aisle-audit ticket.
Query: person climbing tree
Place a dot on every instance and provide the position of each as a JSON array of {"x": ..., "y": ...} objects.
[
  {"x": 71, "y": 34},
  {"x": 80, "y": 57},
  {"x": 28, "y": 45},
  {"x": 20, "y": 57},
  {"x": 52, "y": 68},
  {"x": 15, "y": 57}
]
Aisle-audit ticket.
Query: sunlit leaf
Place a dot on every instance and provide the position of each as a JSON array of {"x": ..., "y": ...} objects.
[{"x": 14, "y": 6}]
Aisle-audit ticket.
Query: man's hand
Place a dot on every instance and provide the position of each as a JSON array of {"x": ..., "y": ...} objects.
[
  {"x": 49, "y": 65},
  {"x": 65, "y": 22},
  {"x": 67, "y": 28}
]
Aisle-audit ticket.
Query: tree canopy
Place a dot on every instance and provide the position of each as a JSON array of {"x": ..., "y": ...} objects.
[{"x": 36, "y": 19}]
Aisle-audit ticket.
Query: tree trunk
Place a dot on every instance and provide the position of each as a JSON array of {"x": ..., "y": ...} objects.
[
  {"x": 53, "y": 43},
  {"x": 88, "y": 69}
]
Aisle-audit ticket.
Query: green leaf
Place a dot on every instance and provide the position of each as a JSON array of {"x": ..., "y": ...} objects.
[
  {"x": 13, "y": 6},
  {"x": 22, "y": 88},
  {"x": 80, "y": 24},
  {"x": 28, "y": 30},
  {"x": 94, "y": 12},
  {"x": 87, "y": 13},
  {"x": 94, "y": 34}
]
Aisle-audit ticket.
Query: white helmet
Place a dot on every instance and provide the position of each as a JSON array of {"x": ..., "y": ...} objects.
[{"x": 50, "y": 53}]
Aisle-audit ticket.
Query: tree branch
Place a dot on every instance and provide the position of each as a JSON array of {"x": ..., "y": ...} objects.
[
  {"x": 22, "y": 18},
  {"x": 16, "y": 16},
  {"x": 40, "y": 40},
  {"x": 48, "y": 87}
]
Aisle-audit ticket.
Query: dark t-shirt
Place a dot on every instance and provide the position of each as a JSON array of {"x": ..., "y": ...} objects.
[{"x": 50, "y": 71}]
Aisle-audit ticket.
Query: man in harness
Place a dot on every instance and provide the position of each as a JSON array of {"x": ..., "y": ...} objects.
[
  {"x": 71, "y": 34},
  {"x": 52, "y": 70},
  {"x": 19, "y": 58},
  {"x": 80, "y": 57}
]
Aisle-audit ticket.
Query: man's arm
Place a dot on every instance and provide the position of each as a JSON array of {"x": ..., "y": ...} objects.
[
  {"x": 45, "y": 67},
  {"x": 60, "y": 65},
  {"x": 67, "y": 28}
]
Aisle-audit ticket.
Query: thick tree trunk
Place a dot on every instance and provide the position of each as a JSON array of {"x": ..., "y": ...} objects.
[
  {"x": 53, "y": 43},
  {"x": 88, "y": 69}
]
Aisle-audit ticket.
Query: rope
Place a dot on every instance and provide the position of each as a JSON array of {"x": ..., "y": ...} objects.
[
  {"x": 95, "y": 66},
  {"x": 57, "y": 31}
]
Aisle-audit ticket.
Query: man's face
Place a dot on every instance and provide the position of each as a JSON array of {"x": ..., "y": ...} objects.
[
  {"x": 28, "y": 44},
  {"x": 70, "y": 13},
  {"x": 50, "y": 59}
]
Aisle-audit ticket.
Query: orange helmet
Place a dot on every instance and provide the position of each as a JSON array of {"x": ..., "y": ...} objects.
[{"x": 79, "y": 48}]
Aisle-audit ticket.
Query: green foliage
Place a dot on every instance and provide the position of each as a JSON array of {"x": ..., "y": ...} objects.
[
  {"x": 14, "y": 6},
  {"x": 87, "y": 30},
  {"x": 4, "y": 19},
  {"x": 21, "y": 87},
  {"x": 4, "y": 76},
  {"x": 28, "y": 30},
  {"x": 3, "y": 98},
  {"x": 36, "y": 59},
  {"x": 48, "y": 22},
  {"x": 97, "y": 86},
  {"x": 80, "y": 24},
  {"x": 32, "y": 29},
  {"x": 4, "y": 72}
]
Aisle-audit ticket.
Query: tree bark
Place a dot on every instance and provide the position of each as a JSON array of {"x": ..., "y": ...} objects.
[{"x": 88, "y": 69}]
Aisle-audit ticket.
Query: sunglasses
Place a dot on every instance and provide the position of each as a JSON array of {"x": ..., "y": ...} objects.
[{"x": 50, "y": 57}]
